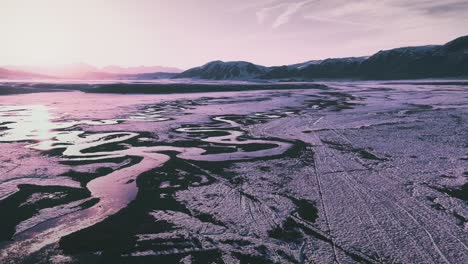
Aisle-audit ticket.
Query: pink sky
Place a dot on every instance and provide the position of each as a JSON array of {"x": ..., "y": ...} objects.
[{"x": 187, "y": 33}]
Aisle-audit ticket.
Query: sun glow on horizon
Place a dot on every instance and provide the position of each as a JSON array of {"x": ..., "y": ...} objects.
[
  {"x": 62, "y": 32},
  {"x": 184, "y": 34}
]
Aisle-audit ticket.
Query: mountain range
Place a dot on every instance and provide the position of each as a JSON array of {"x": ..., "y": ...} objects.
[
  {"x": 13, "y": 74},
  {"x": 84, "y": 71},
  {"x": 433, "y": 61}
]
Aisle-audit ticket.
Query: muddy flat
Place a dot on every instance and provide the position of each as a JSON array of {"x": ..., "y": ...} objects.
[{"x": 340, "y": 172}]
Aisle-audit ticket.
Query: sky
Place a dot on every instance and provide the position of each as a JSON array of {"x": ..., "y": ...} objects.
[{"x": 187, "y": 33}]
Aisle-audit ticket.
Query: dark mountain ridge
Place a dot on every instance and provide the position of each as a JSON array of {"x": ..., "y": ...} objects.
[{"x": 432, "y": 61}]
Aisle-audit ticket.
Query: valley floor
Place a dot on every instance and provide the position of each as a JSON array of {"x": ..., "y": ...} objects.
[{"x": 349, "y": 172}]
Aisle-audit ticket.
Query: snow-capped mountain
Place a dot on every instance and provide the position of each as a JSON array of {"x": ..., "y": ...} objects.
[
  {"x": 220, "y": 70},
  {"x": 305, "y": 64}
]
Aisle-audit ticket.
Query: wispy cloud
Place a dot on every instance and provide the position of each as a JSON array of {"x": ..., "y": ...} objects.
[
  {"x": 262, "y": 15},
  {"x": 391, "y": 15},
  {"x": 286, "y": 12},
  {"x": 333, "y": 20},
  {"x": 265, "y": 12}
]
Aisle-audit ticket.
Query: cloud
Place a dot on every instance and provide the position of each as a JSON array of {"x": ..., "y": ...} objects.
[
  {"x": 447, "y": 7},
  {"x": 337, "y": 21},
  {"x": 266, "y": 12},
  {"x": 287, "y": 10},
  {"x": 262, "y": 15},
  {"x": 290, "y": 11},
  {"x": 388, "y": 14}
]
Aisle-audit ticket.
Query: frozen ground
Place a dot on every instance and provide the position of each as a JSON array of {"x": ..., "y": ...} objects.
[{"x": 359, "y": 172}]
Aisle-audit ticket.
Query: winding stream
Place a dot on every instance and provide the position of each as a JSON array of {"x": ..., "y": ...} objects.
[{"x": 116, "y": 190}]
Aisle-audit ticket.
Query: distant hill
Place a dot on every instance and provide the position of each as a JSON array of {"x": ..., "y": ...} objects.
[
  {"x": 139, "y": 69},
  {"x": 74, "y": 70},
  {"x": 86, "y": 72},
  {"x": 152, "y": 76},
  {"x": 21, "y": 75},
  {"x": 434, "y": 61}
]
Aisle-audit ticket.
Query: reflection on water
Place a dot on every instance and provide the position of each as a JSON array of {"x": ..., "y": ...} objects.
[
  {"x": 113, "y": 192},
  {"x": 35, "y": 123},
  {"x": 26, "y": 123}
]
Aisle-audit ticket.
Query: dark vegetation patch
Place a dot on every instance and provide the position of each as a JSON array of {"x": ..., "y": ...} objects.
[
  {"x": 237, "y": 180},
  {"x": 462, "y": 83},
  {"x": 333, "y": 105},
  {"x": 435, "y": 205},
  {"x": 16, "y": 209},
  {"x": 230, "y": 100},
  {"x": 259, "y": 118},
  {"x": 87, "y": 162},
  {"x": 306, "y": 209},
  {"x": 89, "y": 203},
  {"x": 204, "y": 217},
  {"x": 115, "y": 242},
  {"x": 333, "y": 101},
  {"x": 349, "y": 148},
  {"x": 288, "y": 231},
  {"x": 340, "y": 95},
  {"x": 251, "y": 259},
  {"x": 17, "y": 89},
  {"x": 461, "y": 219},
  {"x": 460, "y": 193},
  {"x": 84, "y": 177},
  {"x": 417, "y": 108},
  {"x": 255, "y": 147},
  {"x": 156, "y": 88}
]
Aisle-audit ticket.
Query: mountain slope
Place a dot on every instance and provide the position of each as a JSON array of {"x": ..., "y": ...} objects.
[
  {"x": 220, "y": 70},
  {"x": 449, "y": 60},
  {"x": 333, "y": 68}
]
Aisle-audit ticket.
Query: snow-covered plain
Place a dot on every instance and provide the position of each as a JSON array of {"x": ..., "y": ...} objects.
[{"x": 359, "y": 172}]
